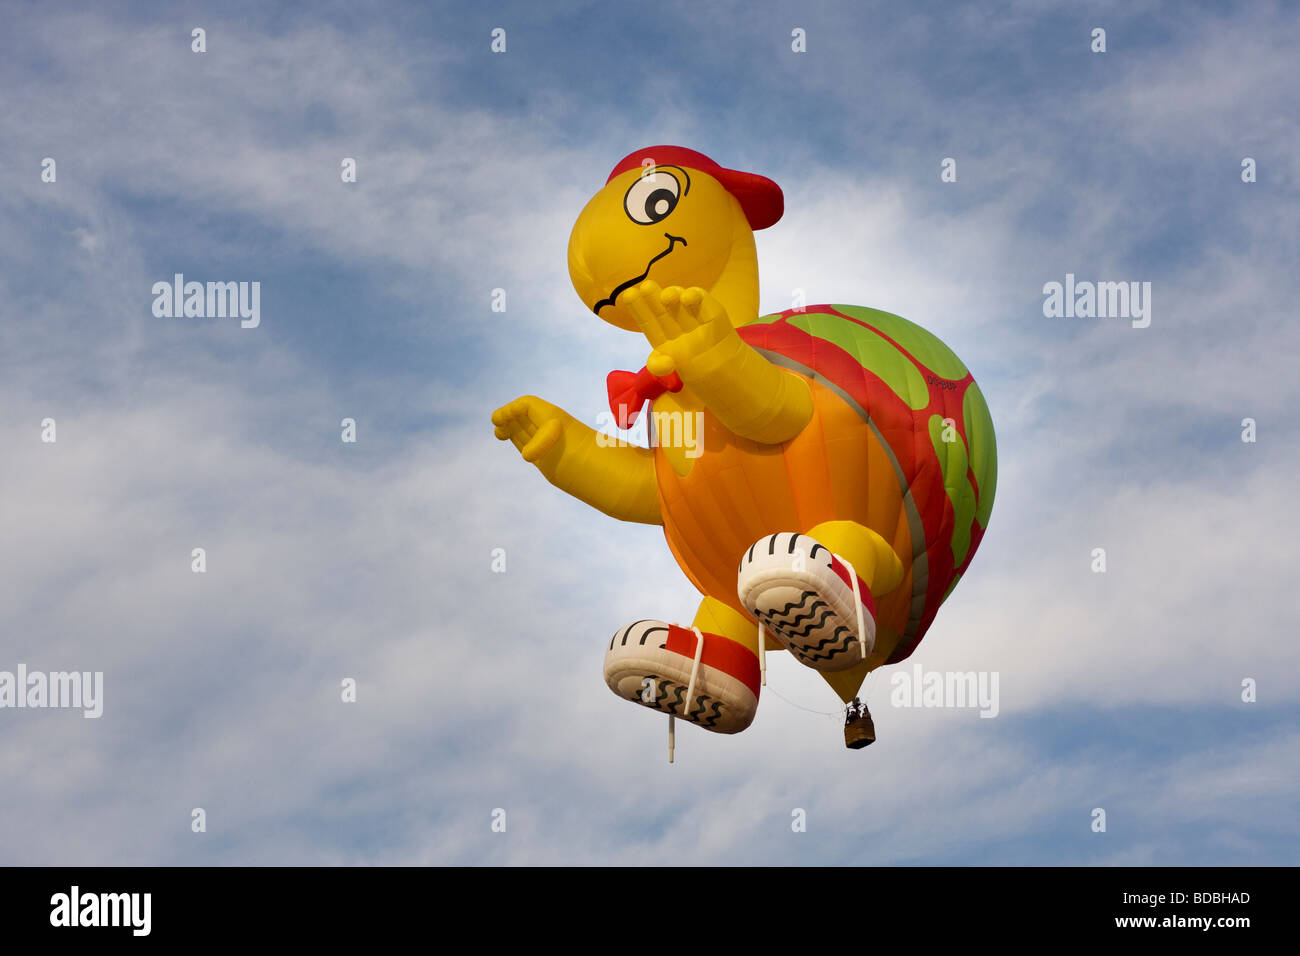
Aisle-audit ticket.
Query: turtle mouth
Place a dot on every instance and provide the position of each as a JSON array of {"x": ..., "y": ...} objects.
[{"x": 624, "y": 286}]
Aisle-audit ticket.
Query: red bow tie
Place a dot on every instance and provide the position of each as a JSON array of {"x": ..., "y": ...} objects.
[{"x": 629, "y": 391}]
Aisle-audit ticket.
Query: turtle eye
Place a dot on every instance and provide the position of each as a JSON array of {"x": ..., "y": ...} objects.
[{"x": 652, "y": 197}]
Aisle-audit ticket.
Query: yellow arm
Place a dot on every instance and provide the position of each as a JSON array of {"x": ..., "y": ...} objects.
[
  {"x": 618, "y": 480},
  {"x": 693, "y": 336},
  {"x": 750, "y": 395}
]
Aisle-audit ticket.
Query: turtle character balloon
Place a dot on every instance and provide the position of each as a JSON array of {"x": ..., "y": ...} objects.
[{"x": 841, "y": 476}]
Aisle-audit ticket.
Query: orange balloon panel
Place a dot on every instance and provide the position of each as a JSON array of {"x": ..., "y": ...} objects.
[{"x": 739, "y": 491}]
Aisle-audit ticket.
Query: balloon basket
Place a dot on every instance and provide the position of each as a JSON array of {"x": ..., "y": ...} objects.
[{"x": 859, "y": 732}]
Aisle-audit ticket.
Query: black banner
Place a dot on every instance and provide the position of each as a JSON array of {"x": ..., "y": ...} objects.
[{"x": 116, "y": 905}]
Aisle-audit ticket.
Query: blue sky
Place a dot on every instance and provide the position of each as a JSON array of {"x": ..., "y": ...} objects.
[{"x": 372, "y": 561}]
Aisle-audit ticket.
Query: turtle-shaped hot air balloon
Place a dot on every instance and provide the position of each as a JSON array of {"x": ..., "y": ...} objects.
[{"x": 840, "y": 476}]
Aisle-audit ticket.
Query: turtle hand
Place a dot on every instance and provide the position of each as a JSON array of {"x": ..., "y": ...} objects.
[
  {"x": 535, "y": 427},
  {"x": 681, "y": 324}
]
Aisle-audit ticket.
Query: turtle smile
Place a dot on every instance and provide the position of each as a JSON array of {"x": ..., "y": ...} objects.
[{"x": 624, "y": 286}]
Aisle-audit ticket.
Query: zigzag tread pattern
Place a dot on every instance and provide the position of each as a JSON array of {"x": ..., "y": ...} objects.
[
  {"x": 788, "y": 623},
  {"x": 782, "y": 622},
  {"x": 663, "y": 687}
]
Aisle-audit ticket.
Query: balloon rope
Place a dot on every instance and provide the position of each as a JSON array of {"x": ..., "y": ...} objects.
[
  {"x": 762, "y": 654},
  {"x": 838, "y": 714},
  {"x": 873, "y": 681}
]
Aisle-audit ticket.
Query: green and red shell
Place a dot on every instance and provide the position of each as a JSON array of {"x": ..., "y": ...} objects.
[{"x": 925, "y": 407}]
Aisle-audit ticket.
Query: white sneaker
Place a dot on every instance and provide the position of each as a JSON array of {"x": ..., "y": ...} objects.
[
  {"x": 804, "y": 597},
  {"x": 651, "y": 663}
]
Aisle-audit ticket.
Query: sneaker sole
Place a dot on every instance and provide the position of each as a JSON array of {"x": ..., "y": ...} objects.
[
  {"x": 798, "y": 589},
  {"x": 650, "y": 662}
]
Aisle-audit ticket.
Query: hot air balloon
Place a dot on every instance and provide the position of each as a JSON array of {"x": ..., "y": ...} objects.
[{"x": 842, "y": 462}]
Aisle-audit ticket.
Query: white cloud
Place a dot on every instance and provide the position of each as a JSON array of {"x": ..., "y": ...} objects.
[{"x": 480, "y": 690}]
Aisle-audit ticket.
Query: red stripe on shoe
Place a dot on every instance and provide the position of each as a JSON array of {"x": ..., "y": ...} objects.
[
  {"x": 720, "y": 652},
  {"x": 843, "y": 574}
]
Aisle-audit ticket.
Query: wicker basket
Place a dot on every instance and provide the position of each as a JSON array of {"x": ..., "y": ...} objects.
[{"x": 859, "y": 732}]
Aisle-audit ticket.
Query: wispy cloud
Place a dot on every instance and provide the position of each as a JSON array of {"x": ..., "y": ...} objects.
[{"x": 372, "y": 561}]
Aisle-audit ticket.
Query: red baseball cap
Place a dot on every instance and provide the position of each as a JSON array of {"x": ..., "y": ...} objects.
[{"x": 759, "y": 197}]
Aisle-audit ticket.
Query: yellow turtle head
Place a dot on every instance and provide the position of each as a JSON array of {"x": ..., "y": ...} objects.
[{"x": 675, "y": 216}]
